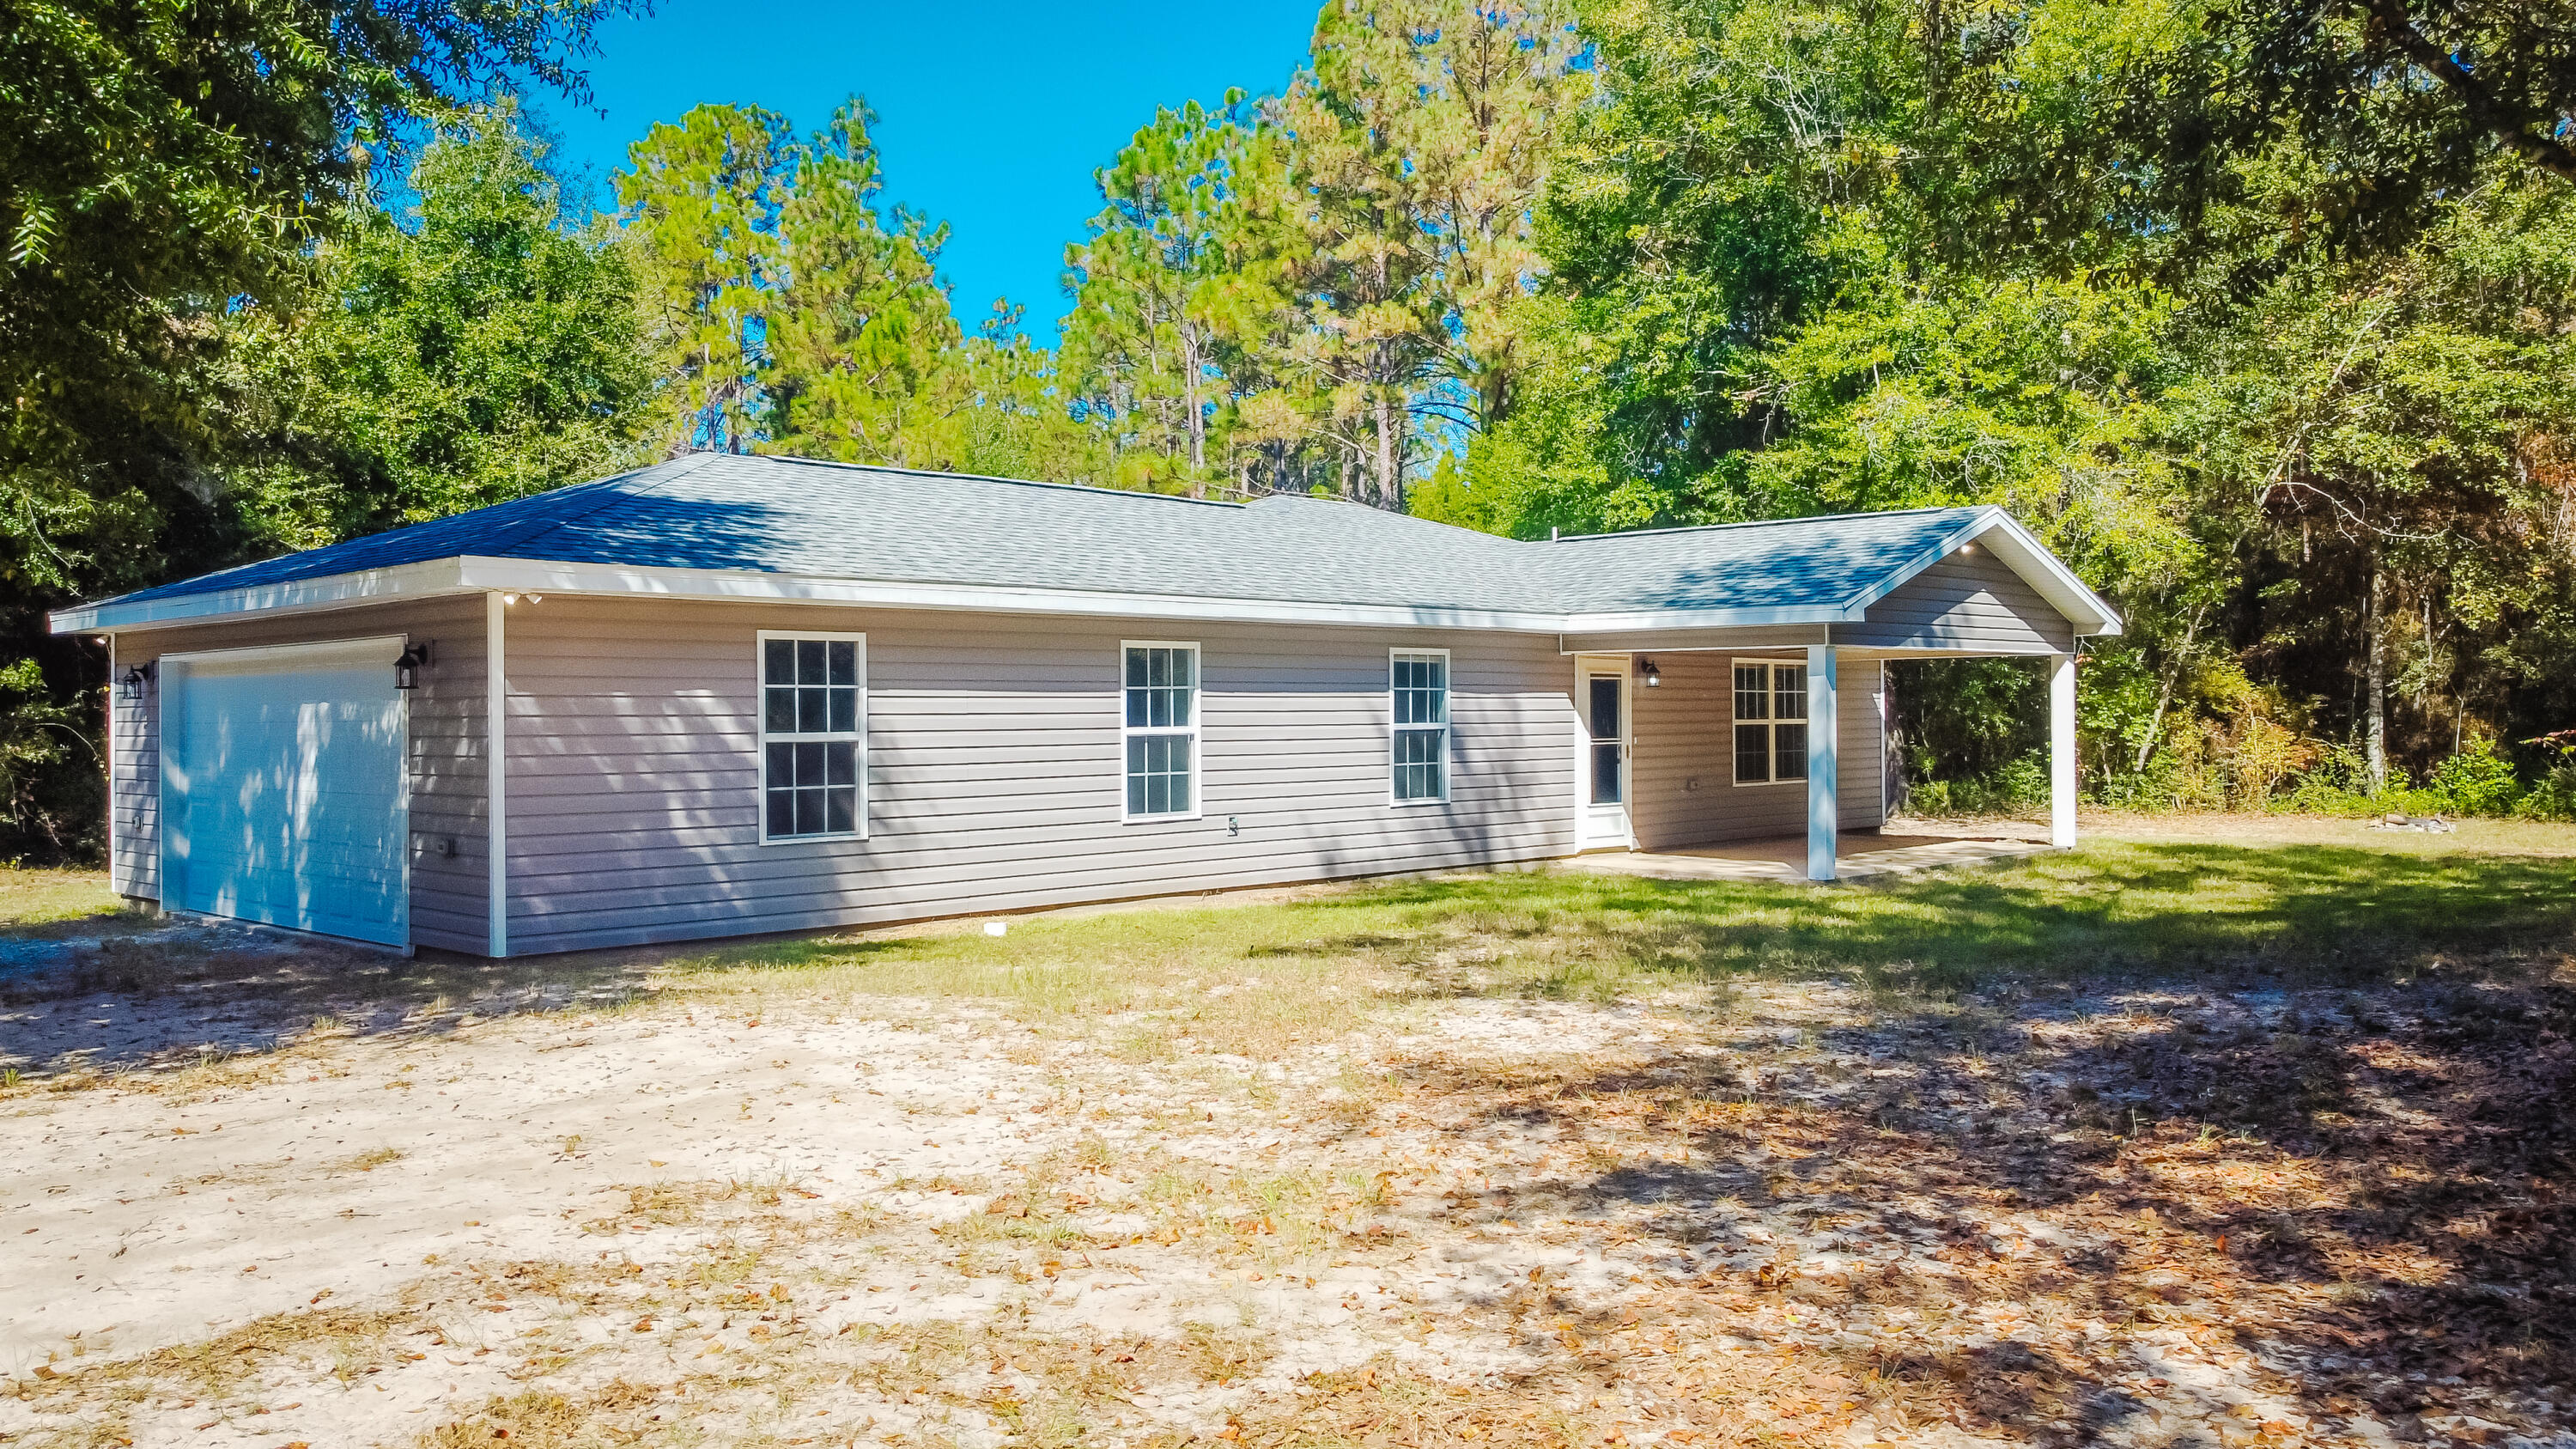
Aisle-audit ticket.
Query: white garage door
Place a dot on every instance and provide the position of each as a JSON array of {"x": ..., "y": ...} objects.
[{"x": 282, "y": 793}]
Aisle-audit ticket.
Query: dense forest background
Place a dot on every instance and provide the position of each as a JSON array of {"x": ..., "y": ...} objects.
[{"x": 2263, "y": 315}]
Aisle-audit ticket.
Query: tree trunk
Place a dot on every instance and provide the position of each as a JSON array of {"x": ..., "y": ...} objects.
[
  {"x": 2165, "y": 693},
  {"x": 1190, "y": 398},
  {"x": 2374, "y": 730},
  {"x": 1390, "y": 481}
]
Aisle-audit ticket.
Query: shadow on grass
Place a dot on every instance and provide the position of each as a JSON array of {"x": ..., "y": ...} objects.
[{"x": 2313, "y": 913}]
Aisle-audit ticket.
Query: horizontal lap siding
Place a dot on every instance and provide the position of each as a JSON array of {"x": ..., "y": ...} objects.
[
  {"x": 1860, "y": 742},
  {"x": 1683, "y": 770},
  {"x": 134, "y": 764},
  {"x": 1974, "y": 603},
  {"x": 994, "y": 768},
  {"x": 446, "y": 752}
]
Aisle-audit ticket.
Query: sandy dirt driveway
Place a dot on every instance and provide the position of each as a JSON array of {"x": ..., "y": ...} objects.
[{"x": 1773, "y": 1212}]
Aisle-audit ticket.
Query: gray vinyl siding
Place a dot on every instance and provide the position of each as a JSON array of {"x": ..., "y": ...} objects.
[
  {"x": 446, "y": 753},
  {"x": 134, "y": 795},
  {"x": 994, "y": 768},
  {"x": 1682, "y": 771},
  {"x": 1862, "y": 741},
  {"x": 1970, "y": 603}
]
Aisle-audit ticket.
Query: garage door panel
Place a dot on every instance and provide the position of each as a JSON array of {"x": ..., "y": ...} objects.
[{"x": 283, "y": 789}]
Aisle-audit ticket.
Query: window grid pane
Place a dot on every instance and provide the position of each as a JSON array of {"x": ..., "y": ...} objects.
[
  {"x": 1421, "y": 690},
  {"x": 1789, "y": 690},
  {"x": 810, "y": 760},
  {"x": 1752, "y": 691},
  {"x": 1421, "y": 764},
  {"x": 1789, "y": 752},
  {"x": 1160, "y": 684},
  {"x": 1752, "y": 754}
]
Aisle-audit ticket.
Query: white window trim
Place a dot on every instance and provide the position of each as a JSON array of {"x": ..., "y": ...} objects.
[
  {"x": 1198, "y": 716},
  {"x": 760, "y": 726},
  {"x": 1394, "y": 731},
  {"x": 1771, "y": 731}
]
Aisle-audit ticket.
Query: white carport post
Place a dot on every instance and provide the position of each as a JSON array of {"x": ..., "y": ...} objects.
[
  {"x": 1824, "y": 818},
  {"x": 2061, "y": 751}
]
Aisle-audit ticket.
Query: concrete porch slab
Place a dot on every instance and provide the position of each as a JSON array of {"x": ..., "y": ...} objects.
[{"x": 1862, "y": 855}]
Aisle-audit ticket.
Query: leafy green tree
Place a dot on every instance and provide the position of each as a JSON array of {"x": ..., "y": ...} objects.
[
  {"x": 1168, "y": 285},
  {"x": 160, "y": 163},
  {"x": 863, "y": 356},
  {"x": 699, "y": 213},
  {"x": 1806, "y": 255},
  {"x": 1416, "y": 146},
  {"x": 473, "y": 351},
  {"x": 1020, "y": 424},
  {"x": 2396, "y": 437}
]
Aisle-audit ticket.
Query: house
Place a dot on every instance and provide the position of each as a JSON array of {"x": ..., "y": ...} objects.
[{"x": 726, "y": 695}]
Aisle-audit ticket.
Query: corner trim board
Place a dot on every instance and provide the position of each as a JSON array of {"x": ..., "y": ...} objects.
[{"x": 496, "y": 776}]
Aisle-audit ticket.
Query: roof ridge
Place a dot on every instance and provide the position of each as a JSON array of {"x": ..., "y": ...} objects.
[{"x": 1770, "y": 522}]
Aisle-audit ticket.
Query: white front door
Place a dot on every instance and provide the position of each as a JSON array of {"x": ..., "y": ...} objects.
[
  {"x": 282, "y": 788},
  {"x": 1601, "y": 695}
]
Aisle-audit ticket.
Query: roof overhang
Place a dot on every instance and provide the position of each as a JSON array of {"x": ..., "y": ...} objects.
[
  {"x": 470, "y": 574},
  {"x": 300, "y": 596}
]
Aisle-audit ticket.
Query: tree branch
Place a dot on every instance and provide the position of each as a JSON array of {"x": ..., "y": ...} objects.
[{"x": 2501, "y": 119}]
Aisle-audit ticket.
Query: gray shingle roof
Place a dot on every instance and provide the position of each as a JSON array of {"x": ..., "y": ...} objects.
[{"x": 792, "y": 516}]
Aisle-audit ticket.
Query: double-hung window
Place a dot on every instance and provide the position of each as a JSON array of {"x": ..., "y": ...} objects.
[
  {"x": 1770, "y": 723},
  {"x": 1418, "y": 680},
  {"x": 1161, "y": 725},
  {"x": 813, "y": 724}
]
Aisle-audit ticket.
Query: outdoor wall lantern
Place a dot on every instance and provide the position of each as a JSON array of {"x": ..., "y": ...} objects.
[
  {"x": 135, "y": 678},
  {"x": 1653, "y": 675},
  {"x": 415, "y": 658}
]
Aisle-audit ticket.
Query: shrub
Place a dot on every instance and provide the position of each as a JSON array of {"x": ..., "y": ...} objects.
[
  {"x": 2018, "y": 787},
  {"x": 2337, "y": 782},
  {"x": 2554, "y": 798},
  {"x": 2476, "y": 781}
]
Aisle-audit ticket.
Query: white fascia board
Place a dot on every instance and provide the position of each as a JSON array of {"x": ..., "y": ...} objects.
[
  {"x": 2022, "y": 553},
  {"x": 403, "y": 581}
]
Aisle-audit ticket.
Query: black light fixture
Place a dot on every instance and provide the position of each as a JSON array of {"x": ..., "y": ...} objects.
[
  {"x": 135, "y": 678},
  {"x": 1653, "y": 675},
  {"x": 415, "y": 658}
]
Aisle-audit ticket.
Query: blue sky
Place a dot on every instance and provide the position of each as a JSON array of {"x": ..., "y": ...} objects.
[{"x": 991, "y": 116}]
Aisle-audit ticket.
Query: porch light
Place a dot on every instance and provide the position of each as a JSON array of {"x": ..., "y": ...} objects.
[
  {"x": 415, "y": 658},
  {"x": 131, "y": 686},
  {"x": 1653, "y": 675}
]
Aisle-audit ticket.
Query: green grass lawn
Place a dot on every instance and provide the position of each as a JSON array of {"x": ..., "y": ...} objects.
[
  {"x": 2297, "y": 914},
  {"x": 51, "y": 897}
]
